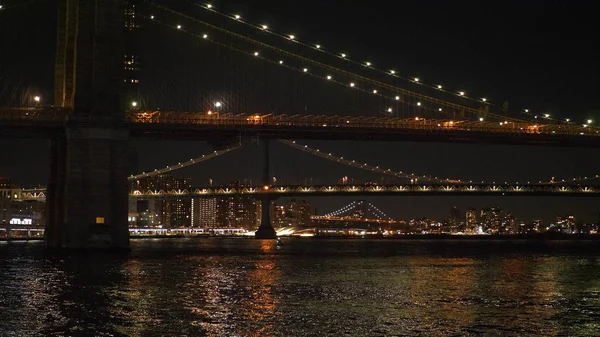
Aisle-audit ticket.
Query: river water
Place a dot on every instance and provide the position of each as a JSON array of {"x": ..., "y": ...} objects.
[{"x": 307, "y": 287}]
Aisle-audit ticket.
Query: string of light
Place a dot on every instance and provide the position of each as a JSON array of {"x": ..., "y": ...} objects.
[
  {"x": 342, "y": 210},
  {"x": 184, "y": 164},
  {"x": 366, "y": 166},
  {"x": 318, "y": 47},
  {"x": 397, "y": 91},
  {"x": 367, "y": 64},
  {"x": 385, "y": 216},
  {"x": 414, "y": 177}
]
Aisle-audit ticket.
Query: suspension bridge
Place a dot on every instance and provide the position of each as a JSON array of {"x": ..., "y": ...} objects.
[{"x": 104, "y": 96}]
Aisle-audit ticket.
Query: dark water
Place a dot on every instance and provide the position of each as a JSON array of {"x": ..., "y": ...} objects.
[{"x": 245, "y": 287}]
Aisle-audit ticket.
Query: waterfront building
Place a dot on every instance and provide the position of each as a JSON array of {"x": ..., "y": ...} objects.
[
  {"x": 294, "y": 213},
  {"x": 204, "y": 212},
  {"x": 169, "y": 213},
  {"x": 471, "y": 221}
]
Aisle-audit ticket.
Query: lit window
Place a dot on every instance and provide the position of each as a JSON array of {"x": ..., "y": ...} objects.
[{"x": 100, "y": 220}]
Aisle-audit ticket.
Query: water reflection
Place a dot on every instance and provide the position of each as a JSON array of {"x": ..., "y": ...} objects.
[{"x": 228, "y": 287}]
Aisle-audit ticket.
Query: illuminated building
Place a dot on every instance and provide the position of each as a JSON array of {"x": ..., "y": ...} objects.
[
  {"x": 170, "y": 213},
  {"x": 471, "y": 221},
  {"x": 16, "y": 212},
  {"x": 238, "y": 212},
  {"x": 4, "y": 183},
  {"x": 492, "y": 220},
  {"x": 455, "y": 223},
  {"x": 204, "y": 213},
  {"x": 295, "y": 213}
]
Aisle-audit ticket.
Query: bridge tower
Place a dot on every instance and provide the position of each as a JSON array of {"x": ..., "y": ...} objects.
[
  {"x": 266, "y": 230},
  {"x": 88, "y": 190}
]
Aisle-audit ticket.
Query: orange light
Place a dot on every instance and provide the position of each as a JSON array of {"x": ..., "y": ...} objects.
[
  {"x": 416, "y": 118},
  {"x": 266, "y": 187},
  {"x": 209, "y": 112}
]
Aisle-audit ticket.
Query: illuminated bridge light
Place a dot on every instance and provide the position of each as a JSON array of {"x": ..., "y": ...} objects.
[{"x": 237, "y": 17}]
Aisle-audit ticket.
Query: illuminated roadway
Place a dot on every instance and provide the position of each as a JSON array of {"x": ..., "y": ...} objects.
[
  {"x": 45, "y": 122},
  {"x": 362, "y": 190}
]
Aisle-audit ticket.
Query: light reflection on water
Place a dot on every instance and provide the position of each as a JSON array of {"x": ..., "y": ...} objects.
[{"x": 246, "y": 287}]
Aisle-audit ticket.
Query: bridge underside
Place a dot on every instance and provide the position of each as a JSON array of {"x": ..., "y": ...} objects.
[{"x": 205, "y": 133}]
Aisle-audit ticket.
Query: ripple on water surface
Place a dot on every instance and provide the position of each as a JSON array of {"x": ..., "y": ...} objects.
[{"x": 308, "y": 287}]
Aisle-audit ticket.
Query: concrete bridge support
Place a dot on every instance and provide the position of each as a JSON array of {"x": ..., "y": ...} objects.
[
  {"x": 266, "y": 230},
  {"x": 87, "y": 194}
]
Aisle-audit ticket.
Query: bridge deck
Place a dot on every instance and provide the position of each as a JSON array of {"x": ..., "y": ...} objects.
[{"x": 28, "y": 122}]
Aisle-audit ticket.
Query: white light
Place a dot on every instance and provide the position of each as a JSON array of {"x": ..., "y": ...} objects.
[
  {"x": 547, "y": 115},
  {"x": 237, "y": 17},
  {"x": 568, "y": 120},
  {"x": 374, "y": 91},
  {"x": 134, "y": 104},
  {"x": 481, "y": 119},
  {"x": 418, "y": 103},
  {"x": 368, "y": 64},
  {"x": 305, "y": 70},
  {"x": 462, "y": 93},
  {"x": 218, "y": 104},
  {"x": 292, "y": 37},
  {"x": 265, "y": 27},
  {"x": 397, "y": 98},
  {"x": 209, "y": 6},
  {"x": 392, "y": 72},
  {"x": 151, "y": 17},
  {"x": 318, "y": 46},
  {"x": 590, "y": 121},
  {"x": 585, "y": 125},
  {"x": 416, "y": 79},
  {"x": 329, "y": 77},
  {"x": 205, "y": 36},
  {"x": 37, "y": 99},
  {"x": 343, "y": 55},
  {"x": 178, "y": 26},
  {"x": 352, "y": 85},
  {"x": 526, "y": 110},
  {"x": 389, "y": 110},
  {"x": 281, "y": 62},
  {"x": 255, "y": 53},
  {"x": 484, "y": 99},
  {"x": 440, "y": 109},
  {"x": 439, "y": 87}
]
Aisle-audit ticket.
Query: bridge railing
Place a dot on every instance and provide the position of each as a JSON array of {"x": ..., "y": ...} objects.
[{"x": 321, "y": 121}]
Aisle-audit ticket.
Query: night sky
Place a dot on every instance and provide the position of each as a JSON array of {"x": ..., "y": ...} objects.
[{"x": 540, "y": 55}]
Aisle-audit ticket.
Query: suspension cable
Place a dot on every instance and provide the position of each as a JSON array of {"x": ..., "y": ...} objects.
[{"x": 185, "y": 164}]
